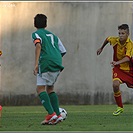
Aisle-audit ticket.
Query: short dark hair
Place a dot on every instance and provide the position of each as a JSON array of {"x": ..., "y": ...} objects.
[
  {"x": 40, "y": 21},
  {"x": 124, "y": 27}
]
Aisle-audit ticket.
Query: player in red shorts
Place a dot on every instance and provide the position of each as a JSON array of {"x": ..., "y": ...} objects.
[{"x": 122, "y": 63}]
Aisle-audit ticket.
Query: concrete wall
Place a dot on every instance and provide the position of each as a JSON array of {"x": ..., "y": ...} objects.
[{"x": 82, "y": 27}]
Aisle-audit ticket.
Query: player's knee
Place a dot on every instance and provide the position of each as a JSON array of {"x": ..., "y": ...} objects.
[
  {"x": 40, "y": 89},
  {"x": 116, "y": 84},
  {"x": 50, "y": 89}
]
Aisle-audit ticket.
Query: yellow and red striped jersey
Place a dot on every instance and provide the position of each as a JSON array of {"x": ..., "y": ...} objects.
[{"x": 121, "y": 51}]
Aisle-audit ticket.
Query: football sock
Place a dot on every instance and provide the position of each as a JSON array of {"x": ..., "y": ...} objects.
[
  {"x": 54, "y": 102},
  {"x": 46, "y": 102},
  {"x": 118, "y": 99}
]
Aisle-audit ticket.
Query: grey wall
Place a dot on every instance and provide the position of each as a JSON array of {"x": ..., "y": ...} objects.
[{"x": 82, "y": 27}]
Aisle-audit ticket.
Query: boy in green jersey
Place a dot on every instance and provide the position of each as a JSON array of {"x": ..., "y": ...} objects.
[{"x": 48, "y": 65}]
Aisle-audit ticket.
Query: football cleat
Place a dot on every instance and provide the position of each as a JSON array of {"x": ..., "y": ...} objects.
[
  {"x": 59, "y": 119},
  {"x": 49, "y": 118},
  {"x": 118, "y": 111}
]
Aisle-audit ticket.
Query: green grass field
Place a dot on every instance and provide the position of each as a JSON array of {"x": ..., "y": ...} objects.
[{"x": 80, "y": 118}]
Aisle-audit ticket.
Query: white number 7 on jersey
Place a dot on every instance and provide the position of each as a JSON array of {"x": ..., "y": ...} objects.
[{"x": 52, "y": 39}]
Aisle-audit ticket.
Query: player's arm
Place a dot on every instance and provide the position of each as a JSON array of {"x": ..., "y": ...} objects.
[
  {"x": 37, "y": 55},
  {"x": 61, "y": 47},
  {"x": 125, "y": 59},
  {"x": 104, "y": 44},
  {"x": 129, "y": 54}
]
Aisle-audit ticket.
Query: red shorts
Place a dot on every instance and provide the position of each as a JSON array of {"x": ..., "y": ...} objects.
[{"x": 123, "y": 76}]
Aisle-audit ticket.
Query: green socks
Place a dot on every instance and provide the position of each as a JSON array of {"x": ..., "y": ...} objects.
[
  {"x": 46, "y": 102},
  {"x": 54, "y": 102},
  {"x": 50, "y": 102}
]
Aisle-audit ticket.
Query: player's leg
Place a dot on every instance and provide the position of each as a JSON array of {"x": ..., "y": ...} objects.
[
  {"x": 52, "y": 76},
  {"x": 53, "y": 99},
  {"x": 55, "y": 103},
  {"x": 44, "y": 98},
  {"x": 117, "y": 96}
]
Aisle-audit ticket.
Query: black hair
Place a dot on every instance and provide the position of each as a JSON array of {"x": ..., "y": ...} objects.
[
  {"x": 124, "y": 27},
  {"x": 40, "y": 21}
]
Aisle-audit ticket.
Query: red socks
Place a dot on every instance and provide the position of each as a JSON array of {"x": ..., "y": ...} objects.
[{"x": 118, "y": 99}]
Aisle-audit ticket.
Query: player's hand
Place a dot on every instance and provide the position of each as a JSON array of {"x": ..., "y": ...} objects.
[
  {"x": 114, "y": 63},
  {"x": 35, "y": 71},
  {"x": 99, "y": 51}
]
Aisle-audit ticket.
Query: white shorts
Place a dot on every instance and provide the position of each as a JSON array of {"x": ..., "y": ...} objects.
[{"x": 48, "y": 78}]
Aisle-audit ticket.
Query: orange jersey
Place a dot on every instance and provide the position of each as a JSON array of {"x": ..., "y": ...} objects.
[{"x": 121, "y": 51}]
